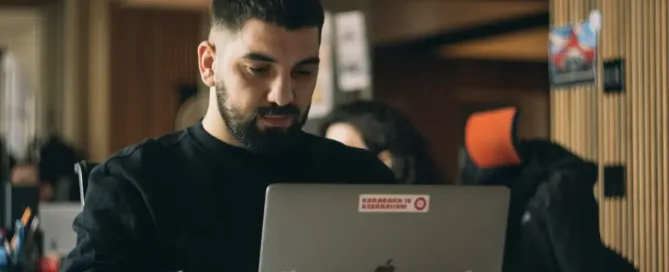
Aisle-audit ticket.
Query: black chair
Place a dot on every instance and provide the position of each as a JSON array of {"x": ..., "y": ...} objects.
[{"x": 83, "y": 169}]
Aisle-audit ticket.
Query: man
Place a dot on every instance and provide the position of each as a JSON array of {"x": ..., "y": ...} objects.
[{"x": 193, "y": 200}]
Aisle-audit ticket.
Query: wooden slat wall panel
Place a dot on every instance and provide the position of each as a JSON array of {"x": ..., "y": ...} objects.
[
  {"x": 628, "y": 128},
  {"x": 154, "y": 51}
]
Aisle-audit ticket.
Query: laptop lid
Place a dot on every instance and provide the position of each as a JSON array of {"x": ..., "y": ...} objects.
[{"x": 383, "y": 228}]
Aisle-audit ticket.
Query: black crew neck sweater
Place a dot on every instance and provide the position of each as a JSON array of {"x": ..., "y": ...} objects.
[{"x": 188, "y": 201}]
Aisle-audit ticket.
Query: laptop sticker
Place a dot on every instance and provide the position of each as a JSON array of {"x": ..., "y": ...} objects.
[{"x": 386, "y": 203}]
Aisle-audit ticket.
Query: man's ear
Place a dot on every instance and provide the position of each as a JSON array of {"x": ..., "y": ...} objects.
[
  {"x": 387, "y": 158},
  {"x": 206, "y": 55}
]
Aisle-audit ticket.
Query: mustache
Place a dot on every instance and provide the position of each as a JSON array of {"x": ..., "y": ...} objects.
[{"x": 276, "y": 110}]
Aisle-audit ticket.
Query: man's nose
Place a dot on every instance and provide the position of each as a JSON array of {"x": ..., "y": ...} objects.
[{"x": 282, "y": 91}]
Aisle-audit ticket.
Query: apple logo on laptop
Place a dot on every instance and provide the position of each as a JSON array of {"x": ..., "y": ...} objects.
[{"x": 388, "y": 267}]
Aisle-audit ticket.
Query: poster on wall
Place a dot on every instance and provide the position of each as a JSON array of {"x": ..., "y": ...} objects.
[
  {"x": 353, "y": 67},
  {"x": 322, "y": 101},
  {"x": 17, "y": 107},
  {"x": 573, "y": 52}
]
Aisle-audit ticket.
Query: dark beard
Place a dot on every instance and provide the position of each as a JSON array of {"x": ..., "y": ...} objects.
[{"x": 247, "y": 132}]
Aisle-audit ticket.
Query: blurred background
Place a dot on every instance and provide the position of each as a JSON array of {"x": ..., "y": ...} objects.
[{"x": 82, "y": 79}]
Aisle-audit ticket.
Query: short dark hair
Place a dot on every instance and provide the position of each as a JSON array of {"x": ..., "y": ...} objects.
[
  {"x": 384, "y": 128},
  {"x": 291, "y": 14}
]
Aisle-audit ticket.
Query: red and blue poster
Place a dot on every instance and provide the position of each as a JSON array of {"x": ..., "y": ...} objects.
[{"x": 573, "y": 52}]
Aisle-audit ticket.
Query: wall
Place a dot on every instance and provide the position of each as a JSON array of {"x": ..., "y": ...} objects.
[
  {"x": 51, "y": 39},
  {"x": 437, "y": 95},
  {"x": 121, "y": 70},
  {"x": 154, "y": 51},
  {"x": 96, "y": 44},
  {"x": 627, "y": 128},
  {"x": 74, "y": 68},
  {"x": 65, "y": 55},
  {"x": 21, "y": 35},
  {"x": 52, "y": 67}
]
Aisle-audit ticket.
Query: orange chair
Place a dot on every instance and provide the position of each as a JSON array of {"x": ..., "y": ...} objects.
[{"x": 491, "y": 139}]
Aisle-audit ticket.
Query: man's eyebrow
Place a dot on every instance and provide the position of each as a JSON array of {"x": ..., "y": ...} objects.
[
  {"x": 258, "y": 57},
  {"x": 310, "y": 61},
  {"x": 264, "y": 58}
]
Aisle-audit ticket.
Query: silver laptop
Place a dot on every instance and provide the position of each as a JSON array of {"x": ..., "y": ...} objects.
[{"x": 383, "y": 228}]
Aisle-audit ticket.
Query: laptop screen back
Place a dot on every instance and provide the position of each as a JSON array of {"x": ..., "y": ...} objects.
[{"x": 366, "y": 228}]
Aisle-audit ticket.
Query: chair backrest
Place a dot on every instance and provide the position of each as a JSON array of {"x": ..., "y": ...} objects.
[
  {"x": 83, "y": 169},
  {"x": 491, "y": 138}
]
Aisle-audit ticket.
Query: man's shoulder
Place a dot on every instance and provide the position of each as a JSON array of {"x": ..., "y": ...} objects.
[
  {"x": 354, "y": 163},
  {"x": 337, "y": 151},
  {"x": 134, "y": 160}
]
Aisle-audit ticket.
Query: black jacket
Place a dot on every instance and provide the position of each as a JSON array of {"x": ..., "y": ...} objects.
[{"x": 553, "y": 217}]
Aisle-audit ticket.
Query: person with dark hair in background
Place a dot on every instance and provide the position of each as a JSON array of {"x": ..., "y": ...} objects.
[
  {"x": 194, "y": 200},
  {"x": 58, "y": 182},
  {"x": 386, "y": 133}
]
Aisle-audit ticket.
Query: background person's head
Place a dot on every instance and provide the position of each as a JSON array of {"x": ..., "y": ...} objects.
[
  {"x": 388, "y": 134},
  {"x": 261, "y": 63}
]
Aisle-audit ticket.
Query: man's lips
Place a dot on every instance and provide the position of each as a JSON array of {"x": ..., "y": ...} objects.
[{"x": 277, "y": 120}]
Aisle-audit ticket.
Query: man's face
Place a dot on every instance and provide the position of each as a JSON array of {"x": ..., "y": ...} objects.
[{"x": 264, "y": 77}]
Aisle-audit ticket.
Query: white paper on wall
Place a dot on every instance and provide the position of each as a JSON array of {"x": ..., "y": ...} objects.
[
  {"x": 353, "y": 68},
  {"x": 16, "y": 108}
]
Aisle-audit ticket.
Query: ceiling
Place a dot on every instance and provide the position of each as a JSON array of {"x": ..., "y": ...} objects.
[
  {"x": 526, "y": 45},
  {"x": 25, "y": 2},
  {"x": 178, "y": 4},
  {"x": 400, "y": 21}
]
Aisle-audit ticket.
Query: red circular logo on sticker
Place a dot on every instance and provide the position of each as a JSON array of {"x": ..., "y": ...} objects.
[{"x": 420, "y": 203}]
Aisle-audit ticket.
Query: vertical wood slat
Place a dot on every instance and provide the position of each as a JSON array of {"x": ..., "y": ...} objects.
[
  {"x": 651, "y": 94},
  {"x": 629, "y": 128},
  {"x": 661, "y": 49},
  {"x": 616, "y": 132},
  {"x": 626, "y": 133},
  {"x": 632, "y": 96},
  {"x": 644, "y": 107},
  {"x": 603, "y": 154},
  {"x": 607, "y": 152}
]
